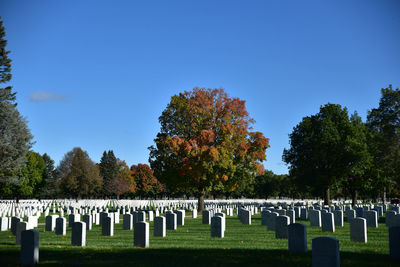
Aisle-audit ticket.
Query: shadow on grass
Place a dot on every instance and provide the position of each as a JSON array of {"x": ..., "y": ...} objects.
[{"x": 185, "y": 257}]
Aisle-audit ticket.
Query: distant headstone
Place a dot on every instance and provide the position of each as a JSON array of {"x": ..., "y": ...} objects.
[
  {"x": 291, "y": 215},
  {"x": 141, "y": 216},
  {"x": 246, "y": 216},
  {"x": 61, "y": 226},
  {"x": 88, "y": 220},
  {"x": 194, "y": 213},
  {"x": 21, "y": 226},
  {"x": 107, "y": 228},
  {"x": 206, "y": 217},
  {"x": 360, "y": 211},
  {"x": 3, "y": 223},
  {"x": 78, "y": 236},
  {"x": 141, "y": 234},
  {"x": 32, "y": 221},
  {"x": 14, "y": 221},
  {"x": 171, "y": 219},
  {"x": 128, "y": 221},
  {"x": 103, "y": 215},
  {"x": 96, "y": 218},
  {"x": 350, "y": 214},
  {"x": 180, "y": 217},
  {"x": 358, "y": 230},
  {"x": 281, "y": 212},
  {"x": 394, "y": 242},
  {"x": 116, "y": 217},
  {"x": 315, "y": 218},
  {"x": 72, "y": 218},
  {"x": 217, "y": 226},
  {"x": 160, "y": 226},
  {"x": 151, "y": 216},
  {"x": 303, "y": 214},
  {"x": 297, "y": 212},
  {"x": 135, "y": 217},
  {"x": 328, "y": 223},
  {"x": 29, "y": 248},
  {"x": 264, "y": 217},
  {"x": 372, "y": 218},
  {"x": 390, "y": 218},
  {"x": 338, "y": 218},
  {"x": 281, "y": 226},
  {"x": 325, "y": 252},
  {"x": 50, "y": 222},
  {"x": 297, "y": 238},
  {"x": 271, "y": 221}
]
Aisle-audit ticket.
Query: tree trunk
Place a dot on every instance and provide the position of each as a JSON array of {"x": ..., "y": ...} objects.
[
  {"x": 327, "y": 197},
  {"x": 354, "y": 198},
  {"x": 200, "y": 202}
]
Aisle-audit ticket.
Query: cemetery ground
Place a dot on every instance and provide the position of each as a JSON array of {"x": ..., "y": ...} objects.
[{"x": 191, "y": 245}]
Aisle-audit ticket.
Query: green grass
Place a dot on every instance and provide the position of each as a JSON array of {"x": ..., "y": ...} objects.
[{"x": 191, "y": 245}]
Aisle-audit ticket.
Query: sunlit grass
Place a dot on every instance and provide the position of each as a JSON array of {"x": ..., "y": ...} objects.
[{"x": 191, "y": 244}]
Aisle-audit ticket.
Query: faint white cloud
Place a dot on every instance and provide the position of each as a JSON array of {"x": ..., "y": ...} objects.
[{"x": 42, "y": 96}]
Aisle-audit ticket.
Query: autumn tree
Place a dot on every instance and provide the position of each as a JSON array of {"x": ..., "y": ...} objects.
[
  {"x": 125, "y": 183},
  {"x": 205, "y": 144},
  {"x": 146, "y": 183},
  {"x": 108, "y": 171},
  {"x": 15, "y": 137},
  {"x": 384, "y": 123},
  {"x": 325, "y": 149},
  {"x": 79, "y": 175}
]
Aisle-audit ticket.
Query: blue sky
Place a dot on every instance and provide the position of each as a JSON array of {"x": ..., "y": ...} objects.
[{"x": 98, "y": 74}]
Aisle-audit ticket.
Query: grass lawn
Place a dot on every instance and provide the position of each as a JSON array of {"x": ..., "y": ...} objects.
[{"x": 191, "y": 245}]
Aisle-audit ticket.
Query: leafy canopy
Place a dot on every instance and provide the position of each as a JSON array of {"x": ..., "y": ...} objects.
[
  {"x": 324, "y": 149},
  {"x": 205, "y": 143},
  {"x": 79, "y": 175}
]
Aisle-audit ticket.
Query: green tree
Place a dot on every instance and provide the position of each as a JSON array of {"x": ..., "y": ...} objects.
[
  {"x": 384, "y": 123},
  {"x": 15, "y": 137},
  {"x": 79, "y": 175},
  {"x": 49, "y": 183},
  {"x": 205, "y": 144},
  {"x": 266, "y": 185},
  {"x": 323, "y": 150},
  {"x": 108, "y": 171},
  {"x": 31, "y": 175},
  {"x": 6, "y": 93},
  {"x": 359, "y": 160}
]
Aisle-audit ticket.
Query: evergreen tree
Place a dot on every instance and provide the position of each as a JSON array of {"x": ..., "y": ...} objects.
[
  {"x": 15, "y": 137},
  {"x": 109, "y": 170},
  {"x": 48, "y": 186},
  {"x": 5, "y": 68}
]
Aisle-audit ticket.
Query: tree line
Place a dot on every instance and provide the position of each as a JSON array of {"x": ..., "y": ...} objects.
[
  {"x": 336, "y": 154},
  {"x": 77, "y": 176}
]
